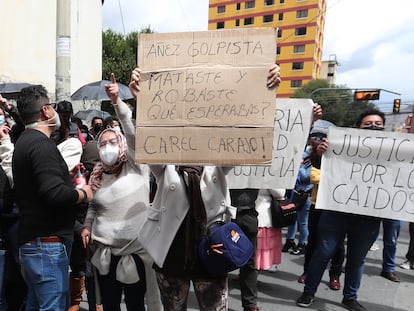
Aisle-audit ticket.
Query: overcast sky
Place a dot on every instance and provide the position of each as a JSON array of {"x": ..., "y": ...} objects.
[{"x": 373, "y": 40}]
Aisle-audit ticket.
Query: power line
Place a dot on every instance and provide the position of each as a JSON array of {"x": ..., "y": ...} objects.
[
  {"x": 122, "y": 16},
  {"x": 185, "y": 16}
]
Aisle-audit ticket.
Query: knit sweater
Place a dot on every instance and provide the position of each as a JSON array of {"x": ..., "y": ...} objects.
[
  {"x": 43, "y": 188},
  {"x": 119, "y": 205},
  {"x": 117, "y": 214}
]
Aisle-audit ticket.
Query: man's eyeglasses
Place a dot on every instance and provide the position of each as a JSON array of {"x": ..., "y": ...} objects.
[
  {"x": 51, "y": 104},
  {"x": 112, "y": 142}
]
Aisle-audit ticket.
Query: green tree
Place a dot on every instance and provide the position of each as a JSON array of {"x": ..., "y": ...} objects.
[
  {"x": 336, "y": 101},
  {"x": 120, "y": 53}
]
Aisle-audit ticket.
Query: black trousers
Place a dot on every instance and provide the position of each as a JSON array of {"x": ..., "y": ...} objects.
[
  {"x": 410, "y": 252},
  {"x": 247, "y": 221}
]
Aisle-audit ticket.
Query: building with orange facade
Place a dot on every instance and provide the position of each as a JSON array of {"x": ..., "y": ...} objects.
[{"x": 300, "y": 28}]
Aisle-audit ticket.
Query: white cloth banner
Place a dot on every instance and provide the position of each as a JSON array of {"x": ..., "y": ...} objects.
[
  {"x": 292, "y": 124},
  {"x": 368, "y": 172}
]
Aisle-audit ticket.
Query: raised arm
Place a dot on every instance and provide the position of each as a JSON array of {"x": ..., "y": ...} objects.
[{"x": 123, "y": 112}]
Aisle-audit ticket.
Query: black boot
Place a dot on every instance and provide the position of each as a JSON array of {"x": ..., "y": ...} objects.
[{"x": 290, "y": 244}]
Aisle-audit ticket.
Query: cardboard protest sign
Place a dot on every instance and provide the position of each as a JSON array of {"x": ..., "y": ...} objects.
[
  {"x": 369, "y": 173},
  {"x": 292, "y": 124},
  {"x": 201, "y": 86}
]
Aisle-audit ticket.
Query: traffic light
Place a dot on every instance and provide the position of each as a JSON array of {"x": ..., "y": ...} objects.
[
  {"x": 367, "y": 95},
  {"x": 396, "y": 107}
]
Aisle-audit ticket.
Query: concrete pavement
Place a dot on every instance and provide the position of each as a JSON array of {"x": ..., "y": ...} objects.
[{"x": 279, "y": 290}]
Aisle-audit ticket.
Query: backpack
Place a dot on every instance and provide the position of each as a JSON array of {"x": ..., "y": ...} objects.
[{"x": 224, "y": 249}]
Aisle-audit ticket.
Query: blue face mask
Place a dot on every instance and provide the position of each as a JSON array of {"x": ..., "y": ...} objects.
[{"x": 2, "y": 120}]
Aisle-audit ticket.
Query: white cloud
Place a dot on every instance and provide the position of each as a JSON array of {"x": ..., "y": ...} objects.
[
  {"x": 160, "y": 15},
  {"x": 373, "y": 40}
]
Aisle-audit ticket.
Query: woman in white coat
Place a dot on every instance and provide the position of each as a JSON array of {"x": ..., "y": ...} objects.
[{"x": 187, "y": 201}]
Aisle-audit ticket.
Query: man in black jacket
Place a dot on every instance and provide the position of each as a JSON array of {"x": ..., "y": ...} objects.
[{"x": 47, "y": 200}]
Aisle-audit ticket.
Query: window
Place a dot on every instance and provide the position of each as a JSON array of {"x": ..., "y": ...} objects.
[
  {"x": 221, "y": 9},
  {"x": 279, "y": 33},
  {"x": 301, "y": 14},
  {"x": 249, "y": 5},
  {"x": 269, "y": 2},
  {"x": 237, "y": 22},
  {"x": 278, "y": 50},
  {"x": 300, "y": 31},
  {"x": 295, "y": 83},
  {"x": 297, "y": 66},
  {"x": 268, "y": 18},
  {"x": 220, "y": 25},
  {"x": 298, "y": 49},
  {"x": 249, "y": 21},
  {"x": 238, "y": 7},
  {"x": 282, "y": 1},
  {"x": 280, "y": 17}
]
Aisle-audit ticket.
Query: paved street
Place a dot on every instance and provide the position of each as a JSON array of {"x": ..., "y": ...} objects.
[{"x": 279, "y": 290}]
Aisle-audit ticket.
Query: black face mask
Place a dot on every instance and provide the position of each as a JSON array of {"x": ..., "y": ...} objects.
[
  {"x": 373, "y": 127},
  {"x": 97, "y": 128}
]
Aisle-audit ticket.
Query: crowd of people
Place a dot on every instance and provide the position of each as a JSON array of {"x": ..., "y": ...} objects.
[{"x": 131, "y": 231}]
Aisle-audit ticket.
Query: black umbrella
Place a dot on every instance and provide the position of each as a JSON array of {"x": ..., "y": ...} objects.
[
  {"x": 96, "y": 91},
  {"x": 11, "y": 90},
  {"x": 89, "y": 114}
]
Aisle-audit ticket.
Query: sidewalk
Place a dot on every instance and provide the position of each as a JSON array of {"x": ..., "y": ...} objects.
[{"x": 279, "y": 290}]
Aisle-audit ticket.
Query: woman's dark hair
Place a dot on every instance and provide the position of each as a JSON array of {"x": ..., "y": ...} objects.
[
  {"x": 108, "y": 121},
  {"x": 64, "y": 106}
]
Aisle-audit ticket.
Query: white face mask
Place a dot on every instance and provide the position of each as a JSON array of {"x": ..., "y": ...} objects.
[
  {"x": 2, "y": 120},
  {"x": 57, "y": 121},
  {"x": 56, "y": 124},
  {"x": 109, "y": 154},
  {"x": 117, "y": 128}
]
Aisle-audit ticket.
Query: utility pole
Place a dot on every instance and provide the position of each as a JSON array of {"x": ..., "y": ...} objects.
[{"x": 63, "y": 49}]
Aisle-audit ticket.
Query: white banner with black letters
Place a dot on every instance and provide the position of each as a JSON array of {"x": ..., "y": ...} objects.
[
  {"x": 292, "y": 124},
  {"x": 368, "y": 172}
]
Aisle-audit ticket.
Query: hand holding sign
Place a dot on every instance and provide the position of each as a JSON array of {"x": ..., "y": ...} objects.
[
  {"x": 134, "y": 83},
  {"x": 273, "y": 79}
]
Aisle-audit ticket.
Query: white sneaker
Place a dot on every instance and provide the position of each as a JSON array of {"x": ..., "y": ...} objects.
[
  {"x": 374, "y": 247},
  {"x": 273, "y": 268},
  {"x": 407, "y": 265}
]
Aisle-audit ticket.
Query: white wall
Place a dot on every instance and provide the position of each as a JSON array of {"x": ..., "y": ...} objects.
[{"x": 28, "y": 42}]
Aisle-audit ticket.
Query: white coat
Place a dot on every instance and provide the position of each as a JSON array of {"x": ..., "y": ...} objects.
[{"x": 171, "y": 205}]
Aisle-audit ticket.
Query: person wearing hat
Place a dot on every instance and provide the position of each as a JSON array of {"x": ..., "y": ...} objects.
[{"x": 317, "y": 135}]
